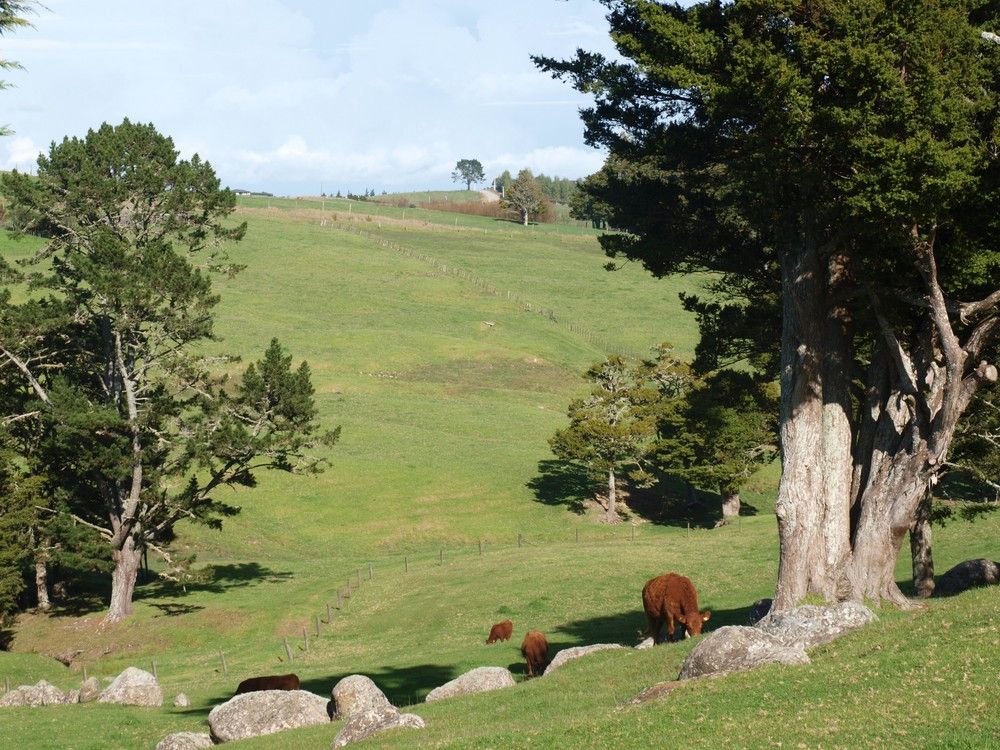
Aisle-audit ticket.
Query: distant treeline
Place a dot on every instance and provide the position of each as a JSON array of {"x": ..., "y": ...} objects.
[{"x": 558, "y": 189}]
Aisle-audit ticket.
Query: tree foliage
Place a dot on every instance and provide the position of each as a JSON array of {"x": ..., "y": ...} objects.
[
  {"x": 111, "y": 393},
  {"x": 836, "y": 166},
  {"x": 467, "y": 171},
  {"x": 611, "y": 429},
  {"x": 524, "y": 196}
]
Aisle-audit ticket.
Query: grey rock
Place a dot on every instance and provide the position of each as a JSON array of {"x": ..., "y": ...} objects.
[
  {"x": 41, "y": 693},
  {"x": 646, "y": 643},
  {"x": 759, "y": 611},
  {"x": 266, "y": 712},
  {"x": 133, "y": 687},
  {"x": 736, "y": 648},
  {"x": 366, "y": 723},
  {"x": 89, "y": 690},
  {"x": 810, "y": 625},
  {"x": 967, "y": 575},
  {"x": 568, "y": 654},
  {"x": 478, "y": 680},
  {"x": 356, "y": 694},
  {"x": 181, "y": 701},
  {"x": 185, "y": 741}
]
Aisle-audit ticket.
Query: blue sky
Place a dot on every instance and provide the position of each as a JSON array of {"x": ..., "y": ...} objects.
[{"x": 294, "y": 95}]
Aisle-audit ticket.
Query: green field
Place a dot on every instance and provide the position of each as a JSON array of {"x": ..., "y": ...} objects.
[{"x": 447, "y": 388}]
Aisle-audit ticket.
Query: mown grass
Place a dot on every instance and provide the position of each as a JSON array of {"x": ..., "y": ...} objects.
[{"x": 445, "y": 424}]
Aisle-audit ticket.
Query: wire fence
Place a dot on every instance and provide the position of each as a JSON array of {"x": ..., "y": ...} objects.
[{"x": 313, "y": 626}]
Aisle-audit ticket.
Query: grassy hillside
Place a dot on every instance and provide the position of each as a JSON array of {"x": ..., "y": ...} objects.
[{"x": 427, "y": 345}]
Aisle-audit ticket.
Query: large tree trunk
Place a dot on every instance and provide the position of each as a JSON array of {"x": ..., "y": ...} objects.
[
  {"x": 814, "y": 493},
  {"x": 612, "y": 512},
  {"x": 730, "y": 505},
  {"x": 42, "y": 581},
  {"x": 920, "y": 549},
  {"x": 123, "y": 579}
]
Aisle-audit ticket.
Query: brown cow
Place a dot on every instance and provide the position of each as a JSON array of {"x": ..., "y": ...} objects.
[
  {"x": 501, "y": 632},
  {"x": 668, "y": 598},
  {"x": 535, "y": 650},
  {"x": 269, "y": 682}
]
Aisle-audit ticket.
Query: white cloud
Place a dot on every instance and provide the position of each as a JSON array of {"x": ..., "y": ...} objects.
[{"x": 22, "y": 154}]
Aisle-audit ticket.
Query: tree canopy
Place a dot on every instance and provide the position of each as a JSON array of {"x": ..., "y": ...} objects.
[
  {"x": 524, "y": 196},
  {"x": 468, "y": 171},
  {"x": 836, "y": 166},
  {"x": 111, "y": 393}
]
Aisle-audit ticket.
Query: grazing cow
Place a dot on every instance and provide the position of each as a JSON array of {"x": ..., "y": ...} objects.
[
  {"x": 668, "y": 598},
  {"x": 501, "y": 632},
  {"x": 535, "y": 650},
  {"x": 269, "y": 682}
]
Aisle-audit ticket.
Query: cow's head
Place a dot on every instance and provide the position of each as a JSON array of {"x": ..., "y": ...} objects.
[{"x": 694, "y": 624}]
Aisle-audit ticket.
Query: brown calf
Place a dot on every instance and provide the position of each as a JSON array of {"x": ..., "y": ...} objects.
[
  {"x": 535, "y": 650},
  {"x": 269, "y": 682},
  {"x": 501, "y": 631},
  {"x": 668, "y": 598}
]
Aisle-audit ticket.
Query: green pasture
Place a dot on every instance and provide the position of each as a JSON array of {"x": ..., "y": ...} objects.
[{"x": 447, "y": 393}]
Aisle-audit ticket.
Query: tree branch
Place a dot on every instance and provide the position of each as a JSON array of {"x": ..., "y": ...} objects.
[{"x": 23, "y": 367}]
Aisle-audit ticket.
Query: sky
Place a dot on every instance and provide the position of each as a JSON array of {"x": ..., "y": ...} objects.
[{"x": 296, "y": 97}]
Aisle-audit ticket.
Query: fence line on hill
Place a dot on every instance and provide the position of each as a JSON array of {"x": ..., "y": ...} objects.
[
  {"x": 337, "y": 600},
  {"x": 601, "y": 342}
]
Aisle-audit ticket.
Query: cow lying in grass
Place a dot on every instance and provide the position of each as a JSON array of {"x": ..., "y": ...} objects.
[
  {"x": 269, "y": 682},
  {"x": 535, "y": 650},
  {"x": 669, "y": 599},
  {"x": 501, "y": 632}
]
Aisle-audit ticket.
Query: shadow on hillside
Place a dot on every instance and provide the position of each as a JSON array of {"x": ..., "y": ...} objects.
[
  {"x": 626, "y": 627},
  {"x": 563, "y": 483},
  {"x": 674, "y": 503},
  {"x": 213, "y": 579}
]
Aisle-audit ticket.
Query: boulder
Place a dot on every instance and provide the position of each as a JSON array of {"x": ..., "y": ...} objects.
[
  {"x": 809, "y": 625},
  {"x": 568, "y": 654},
  {"x": 133, "y": 687},
  {"x": 41, "y": 693},
  {"x": 89, "y": 690},
  {"x": 185, "y": 741},
  {"x": 736, "y": 648},
  {"x": 759, "y": 610},
  {"x": 266, "y": 712},
  {"x": 967, "y": 575},
  {"x": 372, "y": 721},
  {"x": 645, "y": 643},
  {"x": 181, "y": 701},
  {"x": 356, "y": 694},
  {"x": 478, "y": 680}
]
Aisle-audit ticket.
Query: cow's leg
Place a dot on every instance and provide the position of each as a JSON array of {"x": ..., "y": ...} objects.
[
  {"x": 670, "y": 626},
  {"x": 653, "y": 625}
]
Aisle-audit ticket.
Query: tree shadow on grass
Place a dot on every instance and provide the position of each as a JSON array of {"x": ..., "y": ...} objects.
[
  {"x": 627, "y": 628},
  {"x": 213, "y": 579},
  {"x": 403, "y": 686},
  {"x": 563, "y": 483},
  {"x": 672, "y": 502},
  {"x": 175, "y": 610}
]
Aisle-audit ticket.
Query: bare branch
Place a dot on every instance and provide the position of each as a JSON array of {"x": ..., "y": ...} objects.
[{"x": 23, "y": 367}]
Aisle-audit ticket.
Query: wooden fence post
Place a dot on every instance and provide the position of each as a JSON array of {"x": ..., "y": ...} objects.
[
  {"x": 317, "y": 626},
  {"x": 225, "y": 667},
  {"x": 305, "y": 638},
  {"x": 84, "y": 672},
  {"x": 154, "y": 669},
  {"x": 519, "y": 541},
  {"x": 369, "y": 571},
  {"x": 288, "y": 651},
  {"x": 329, "y": 613},
  {"x": 441, "y": 557},
  {"x": 406, "y": 564},
  {"x": 480, "y": 547},
  {"x": 357, "y": 573}
]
